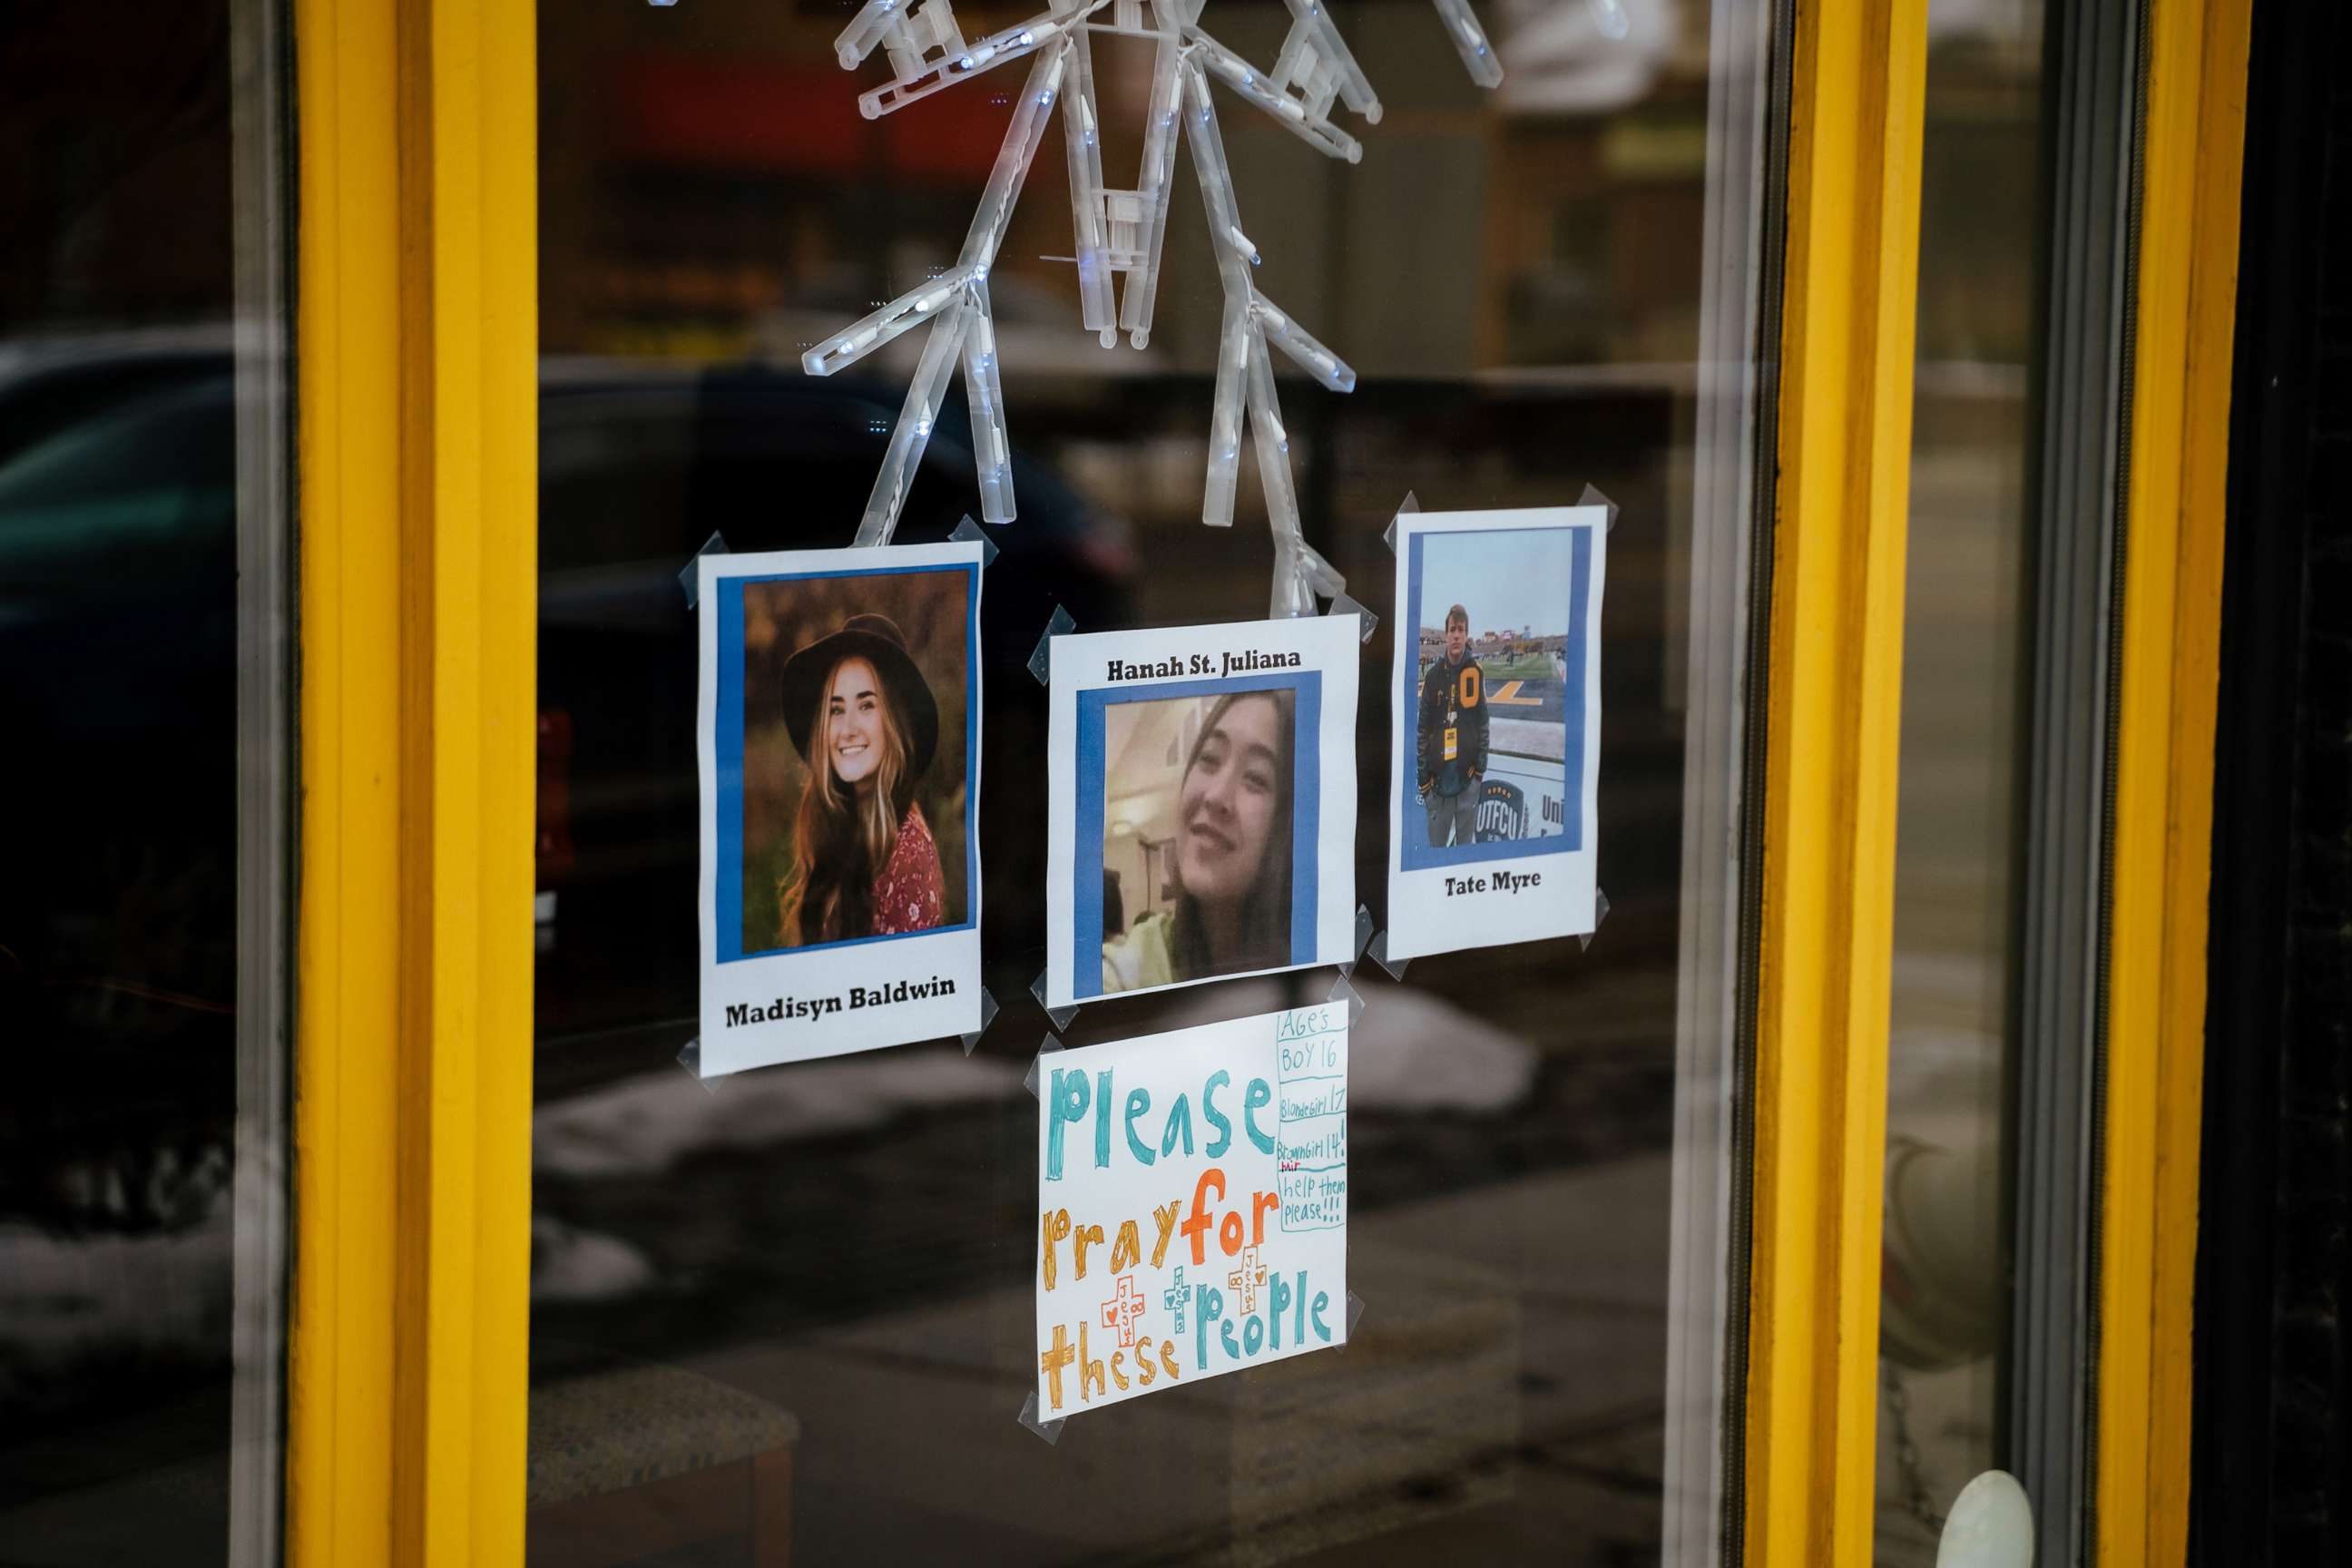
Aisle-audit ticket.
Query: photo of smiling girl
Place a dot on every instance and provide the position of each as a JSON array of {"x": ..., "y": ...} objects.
[
  {"x": 856, "y": 787},
  {"x": 1233, "y": 857},
  {"x": 1201, "y": 804},
  {"x": 864, "y": 862},
  {"x": 1222, "y": 905},
  {"x": 839, "y": 706}
]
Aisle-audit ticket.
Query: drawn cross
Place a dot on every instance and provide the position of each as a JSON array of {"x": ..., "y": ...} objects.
[
  {"x": 1174, "y": 1298},
  {"x": 1121, "y": 1311},
  {"x": 1247, "y": 1279}
]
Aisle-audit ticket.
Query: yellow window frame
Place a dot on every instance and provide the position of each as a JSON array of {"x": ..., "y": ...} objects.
[
  {"x": 2192, "y": 158},
  {"x": 1832, "y": 716},
  {"x": 1833, "y": 720},
  {"x": 416, "y": 384},
  {"x": 417, "y": 380}
]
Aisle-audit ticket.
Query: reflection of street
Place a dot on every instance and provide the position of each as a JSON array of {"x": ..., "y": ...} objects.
[
  {"x": 1936, "y": 1425},
  {"x": 851, "y": 1242}
]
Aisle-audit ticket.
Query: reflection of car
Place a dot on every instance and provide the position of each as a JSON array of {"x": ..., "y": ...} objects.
[
  {"x": 117, "y": 910},
  {"x": 118, "y": 628}
]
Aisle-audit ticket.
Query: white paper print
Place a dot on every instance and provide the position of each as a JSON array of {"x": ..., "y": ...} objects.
[
  {"x": 1192, "y": 1205},
  {"x": 1202, "y": 799},
  {"x": 1495, "y": 759},
  {"x": 838, "y": 727}
]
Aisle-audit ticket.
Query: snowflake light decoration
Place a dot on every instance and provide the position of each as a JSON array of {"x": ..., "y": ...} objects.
[{"x": 1118, "y": 232}]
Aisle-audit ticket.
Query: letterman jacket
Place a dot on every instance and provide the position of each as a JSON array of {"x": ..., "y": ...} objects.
[{"x": 1453, "y": 696}]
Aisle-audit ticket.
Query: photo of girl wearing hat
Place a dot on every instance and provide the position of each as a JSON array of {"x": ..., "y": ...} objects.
[
  {"x": 838, "y": 714},
  {"x": 855, "y": 760},
  {"x": 864, "y": 721}
]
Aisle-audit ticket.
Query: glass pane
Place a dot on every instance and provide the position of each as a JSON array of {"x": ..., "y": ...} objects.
[
  {"x": 142, "y": 628},
  {"x": 1944, "y": 1310},
  {"x": 830, "y": 1264}
]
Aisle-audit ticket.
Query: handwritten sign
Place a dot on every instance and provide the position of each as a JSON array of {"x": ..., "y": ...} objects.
[{"x": 1192, "y": 1205}]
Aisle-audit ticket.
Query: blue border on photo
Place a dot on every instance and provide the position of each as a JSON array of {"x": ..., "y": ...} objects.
[
  {"x": 728, "y": 747},
  {"x": 1412, "y": 825},
  {"x": 1305, "y": 809}
]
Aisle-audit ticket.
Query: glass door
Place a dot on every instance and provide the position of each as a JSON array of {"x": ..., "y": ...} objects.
[
  {"x": 1998, "y": 1043},
  {"x": 791, "y": 1309}
]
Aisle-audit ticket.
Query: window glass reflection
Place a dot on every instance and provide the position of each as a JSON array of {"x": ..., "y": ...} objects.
[
  {"x": 1945, "y": 1298},
  {"x": 831, "y": 1262},
  {"x": 139, "y": 1180}
]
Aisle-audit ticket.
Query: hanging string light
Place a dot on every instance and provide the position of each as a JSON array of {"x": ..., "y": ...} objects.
[{"x": 1117, "y": 233}]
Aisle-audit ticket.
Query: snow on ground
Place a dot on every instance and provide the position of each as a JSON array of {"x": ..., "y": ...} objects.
[{"x": 1412, "y": 1053}]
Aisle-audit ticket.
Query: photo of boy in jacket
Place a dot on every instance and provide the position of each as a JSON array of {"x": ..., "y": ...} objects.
[{"x": 1452, "y": 744}]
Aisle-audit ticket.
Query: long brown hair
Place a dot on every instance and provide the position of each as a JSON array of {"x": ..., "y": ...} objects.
[
  {"x": 839, "y": 844},
  {"x": 1265, "y": 908}
]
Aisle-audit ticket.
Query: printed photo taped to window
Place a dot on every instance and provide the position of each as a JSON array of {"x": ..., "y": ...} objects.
[
  {"x": 838, "y": 726},
  {"x": 1494, "y": 760},
  {"x": 1203, "y": 803}
]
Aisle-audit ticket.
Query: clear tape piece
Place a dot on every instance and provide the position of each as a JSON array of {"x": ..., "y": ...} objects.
[
  {"x": 1343, "y": 992},
  {"x": 966, "y": 532},
  {"x": 1060, "y": 1015},
  {"x": 1346, "y": 604},
  {"x": 689, "y": 1062},
  {"x": 1364, "y": 929},
  {"x": 1355, "y": 1314},
  {"x": 1411, "y": 504},
  {"x": 971, "y": 1038},
  {"x": 1599, "y": 913},
  {"x": 1040, "y": 665},
  {"x": 1049, "y": 1430},
  {"x": 714, "y": 545},
  {"x": 1050, "y": 1043},
  {"x": 1379, "y": 953},
  {"x": 1593, "y": 497}
]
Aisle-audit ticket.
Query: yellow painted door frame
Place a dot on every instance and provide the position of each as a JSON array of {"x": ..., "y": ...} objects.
[
  {"x": 416, "y": 376},
  {"x": 417, "y": 382},
  {"x": 2191, "y": 161},
  {"x": 1832, "y": 715}
]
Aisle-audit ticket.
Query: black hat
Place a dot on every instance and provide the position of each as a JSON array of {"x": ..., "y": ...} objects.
[{"x": 878, "y": 640}]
